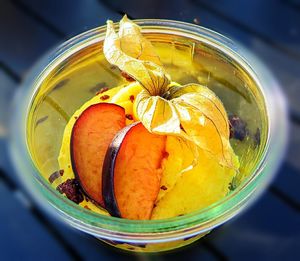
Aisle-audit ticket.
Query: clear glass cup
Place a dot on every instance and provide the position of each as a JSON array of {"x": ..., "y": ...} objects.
[{"x": 222, "y": 59}]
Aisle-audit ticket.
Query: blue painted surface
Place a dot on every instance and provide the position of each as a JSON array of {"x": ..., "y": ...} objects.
[
  {"x": 7, "y": 89},
  {"x": 270, "y": 19},
  {"x": 71, "y": 16},
  {"x": 268, "y": 231},
  {"x": 22, "y": 236},
  {"x": 22, "y": 39},
  {"x": 288, "y": 180}
]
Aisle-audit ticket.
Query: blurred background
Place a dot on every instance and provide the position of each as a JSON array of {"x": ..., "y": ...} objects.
[{"x": 270, "y": 230}]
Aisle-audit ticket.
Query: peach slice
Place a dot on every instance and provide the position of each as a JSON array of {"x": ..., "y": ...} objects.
[
  {"x": 132, "y": 172},
  {"x": 92, "y": 133}
]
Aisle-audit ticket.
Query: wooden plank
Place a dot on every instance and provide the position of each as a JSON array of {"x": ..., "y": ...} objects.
[
  {"x": 196, "y": 251},
  {"x": 288, "y": 179},
  {"x": 7, "y": 91},
  {"x": 88, "y": 247},
  {"x": 275, "y": 21},
  {"x": 293, "y": 4},
  {"x": 8, "y": 87},
  {"x": 70, "y": 16},
  {"x": 22, "y": 39},
  {"x": 270, "y": 230},
  {"x": 22, "y": 236}
]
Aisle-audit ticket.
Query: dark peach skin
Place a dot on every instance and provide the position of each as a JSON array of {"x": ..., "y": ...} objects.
[
  {"x": 132, "y": 172},
  {"x": 92, "y": 134}
]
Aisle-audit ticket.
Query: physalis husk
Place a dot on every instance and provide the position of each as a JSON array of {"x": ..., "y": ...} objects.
[
  {"x": 192, "y": 112},
  {"x": 135, "y": 55}
]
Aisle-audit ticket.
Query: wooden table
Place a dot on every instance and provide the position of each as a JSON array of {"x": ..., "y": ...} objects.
[{"x": 270, "y": 230}]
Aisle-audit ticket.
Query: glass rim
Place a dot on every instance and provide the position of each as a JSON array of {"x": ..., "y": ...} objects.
[{"x": 177, "y": 227}]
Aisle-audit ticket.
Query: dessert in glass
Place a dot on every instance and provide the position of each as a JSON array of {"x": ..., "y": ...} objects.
[{"x": 148, "y": 134}]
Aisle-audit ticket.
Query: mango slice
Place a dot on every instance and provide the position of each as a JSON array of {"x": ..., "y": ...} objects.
[
  {"x": 178, "y": 159},
  {"x": 195, "y": 189}
]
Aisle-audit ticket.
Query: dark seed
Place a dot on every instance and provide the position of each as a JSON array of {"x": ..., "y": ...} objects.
[
  {"x": 238, "y": 128},
  {"x": 163, "y": 187},
  {"x": 231, "y": 186},
  {"x": 181, "y": 127},
  {"x": 129, "y": 117},
  {"x": 131, "y": 98},
  {"x": 72, "y": 190},
  {"x": 165, "y": 154},
  {"x": 55, "y": 175},
  {"x": 102, "y": 90},
  {"x": 104, "y": 97},
  {"x": 127, "y": 77}
]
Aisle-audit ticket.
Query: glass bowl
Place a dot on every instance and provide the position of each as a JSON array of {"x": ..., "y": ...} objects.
[{"x": 67, "y": 77}]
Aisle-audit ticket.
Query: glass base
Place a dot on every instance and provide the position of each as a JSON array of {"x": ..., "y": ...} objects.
[{"x": 153, "y": 247}]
